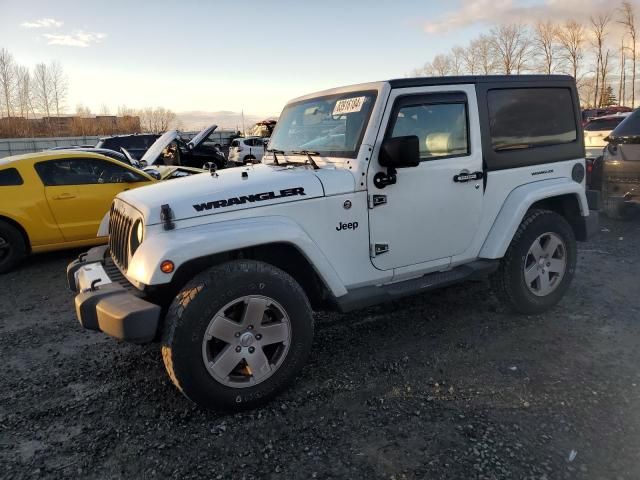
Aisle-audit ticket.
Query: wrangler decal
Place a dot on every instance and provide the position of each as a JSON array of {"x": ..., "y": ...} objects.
[{"x": 256, "y": 197}]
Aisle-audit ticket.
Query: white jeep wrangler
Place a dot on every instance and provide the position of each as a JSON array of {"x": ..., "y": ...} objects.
[{"x": 369, "y": 193}]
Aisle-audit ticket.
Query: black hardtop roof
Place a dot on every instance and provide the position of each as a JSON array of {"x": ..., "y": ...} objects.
[{"x": 432, "y": 81}]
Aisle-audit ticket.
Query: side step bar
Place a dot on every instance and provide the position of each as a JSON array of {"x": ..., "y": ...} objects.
[{"x": 375, "y": 294}]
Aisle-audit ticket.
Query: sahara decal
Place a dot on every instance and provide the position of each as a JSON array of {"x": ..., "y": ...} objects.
[{"x": 255, "y": 197}]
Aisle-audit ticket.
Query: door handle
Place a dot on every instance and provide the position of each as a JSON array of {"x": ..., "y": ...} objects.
[
  {"x": 64, "y": 196},
  {"x": 464, "y": 176}
]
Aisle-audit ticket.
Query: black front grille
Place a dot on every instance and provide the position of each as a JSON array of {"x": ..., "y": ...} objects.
[{"x": 119, "y": 234}]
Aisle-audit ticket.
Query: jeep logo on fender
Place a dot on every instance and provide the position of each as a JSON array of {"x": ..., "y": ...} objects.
[
  {"x": 347, "y": 226},
  {"x": 255, "y": 197}
]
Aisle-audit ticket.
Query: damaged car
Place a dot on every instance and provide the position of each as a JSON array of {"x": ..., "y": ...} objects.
[{"x": 171, "y": 149}]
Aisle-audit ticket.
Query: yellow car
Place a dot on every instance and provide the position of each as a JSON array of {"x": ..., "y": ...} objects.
[{"x": 56, "y": 199}]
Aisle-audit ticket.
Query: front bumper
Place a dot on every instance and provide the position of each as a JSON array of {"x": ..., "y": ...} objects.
[{"x": 106, "y": 305}]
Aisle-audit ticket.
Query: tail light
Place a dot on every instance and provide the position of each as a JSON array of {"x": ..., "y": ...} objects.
[{"x": 589, "y": 167}]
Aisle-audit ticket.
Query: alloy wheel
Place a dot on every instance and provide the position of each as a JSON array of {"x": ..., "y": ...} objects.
[
  {"x": 545, "y": 264},
  {"x": 246, "y": 341}
]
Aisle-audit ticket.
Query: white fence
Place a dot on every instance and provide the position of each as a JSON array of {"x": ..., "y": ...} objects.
[{"x": 17, "y": 146}]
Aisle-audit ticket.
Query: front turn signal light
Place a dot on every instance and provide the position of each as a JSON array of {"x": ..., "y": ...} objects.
[{"x": 167, "y": 266}]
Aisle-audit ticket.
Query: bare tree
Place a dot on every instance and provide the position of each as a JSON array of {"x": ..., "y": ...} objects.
[
  {"x": 571, "y": 38},
  {"x": 605, "y": 66},
  {"x": 156, "y": 120},
  {"x": 7, "y": 80},
  {"x": 469, "y": 57},
  {"x": 58, "y": 86},
  {"x": 457, "y": 60},
  {"x": 42, "y": 90},
  {"x": 623, "y": 67},
  {"x": 24, "y": 100},
  {"x": 544, "y": 42},
  {"x": 586, "y": 89},
  {"x": 599, "y": 27},
  {"x": 440, "y": 66},
  {"x": 483, "y": 49},
  {"x": 629, "y": 21},
  {"x": 511, "y": 45}
]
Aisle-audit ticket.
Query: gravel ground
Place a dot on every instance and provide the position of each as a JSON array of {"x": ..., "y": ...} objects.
[{"x": 444, "y": 385}]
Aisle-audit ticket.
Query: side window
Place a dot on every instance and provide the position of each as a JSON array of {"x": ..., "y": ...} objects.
[
  {"x": 83, "y": 171},
  {"x": 442, "y": 128},
  {"x": 10, "y": 177},
  {"x": 521, "y": 118}
]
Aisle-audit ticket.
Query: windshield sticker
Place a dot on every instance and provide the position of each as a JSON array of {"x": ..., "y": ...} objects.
[{"x": 348, "y": 105}]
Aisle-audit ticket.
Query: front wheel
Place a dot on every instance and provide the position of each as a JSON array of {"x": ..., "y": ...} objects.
[
  {"x": 539, "y": 264},
  {"x": 237, "y": 335},
  {"x": 12, "y": 247}
]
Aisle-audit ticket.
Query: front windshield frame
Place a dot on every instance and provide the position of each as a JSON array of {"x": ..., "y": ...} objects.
[{"x": 373, "y": 94}]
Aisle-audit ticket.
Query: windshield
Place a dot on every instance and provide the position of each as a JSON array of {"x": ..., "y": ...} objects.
[{"x": 331, "y": 126}]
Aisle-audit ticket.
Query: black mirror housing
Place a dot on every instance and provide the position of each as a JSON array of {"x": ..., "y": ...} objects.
[{"x": 400, "y": 152}]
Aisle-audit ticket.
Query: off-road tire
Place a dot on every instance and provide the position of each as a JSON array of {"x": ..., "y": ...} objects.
[
  {"x": 16, "y": 247},
  {"x": 194, "y": 307},
  {"x": 508, "y": 281}
]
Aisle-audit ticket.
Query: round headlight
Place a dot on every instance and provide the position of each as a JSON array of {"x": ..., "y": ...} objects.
[
  {"x": 137, "y": 234},
  {"x": 139, "y": 231}
]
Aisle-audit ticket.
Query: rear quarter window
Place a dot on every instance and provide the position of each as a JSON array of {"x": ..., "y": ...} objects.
[
  {"x": 523, "y": 118},
  {"x": 10, "y": 177},
  {"x": 630, "y": 126}
]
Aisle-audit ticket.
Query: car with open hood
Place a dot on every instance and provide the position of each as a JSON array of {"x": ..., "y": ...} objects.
[{"x": 171, "y": 149}]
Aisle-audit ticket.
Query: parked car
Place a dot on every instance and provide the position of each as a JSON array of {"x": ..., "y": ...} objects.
[
  {"x": 591, "y": 113},
  {"x": 618, "y": 171},
  {"x": 170, "y": 149},
  {"x": 56, "y": 199},
  {"x": 415, "y": 184},
  {"x": 597, "y": 129},
  {"x": 247, "y": 150},
  {"x": 136, "y": 144}
]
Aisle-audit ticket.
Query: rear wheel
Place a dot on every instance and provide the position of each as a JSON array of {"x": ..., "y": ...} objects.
[
  {"x": 539, "y": 264},
  {"x": 13, "y": 248},
  {"x": 249, "y": 159},
  {"x": 237, "y": 334}
]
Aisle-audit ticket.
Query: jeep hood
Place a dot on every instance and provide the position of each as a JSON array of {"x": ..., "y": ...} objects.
[{"x": 236, "y": 189}]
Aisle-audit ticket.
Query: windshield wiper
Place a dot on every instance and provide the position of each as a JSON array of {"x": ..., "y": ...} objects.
[
  {"x": 309, "y": 157},
  {"x": 275, "y": 151}
]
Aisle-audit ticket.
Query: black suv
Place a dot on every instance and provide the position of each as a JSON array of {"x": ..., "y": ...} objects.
[{"x": 136, "y": 144}]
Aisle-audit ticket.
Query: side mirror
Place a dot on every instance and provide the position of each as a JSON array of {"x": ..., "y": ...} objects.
[
  {"x": 396, "y": 152},
  {"x": 400, "y": 152}
]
